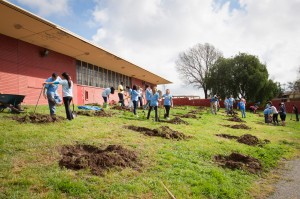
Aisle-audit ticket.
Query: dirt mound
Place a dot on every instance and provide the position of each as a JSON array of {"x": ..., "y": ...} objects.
[
  {"x": 238, "y": 126},
  {"x": 163, "y": 131},
  {"x": 248, "y": 139},
  {"x": 189, "y": 115},
  {"x": 121, "y": 108},
  {"x": 177, "y": 120},
  {"x": 38, "y": 118},
  {"x": 227, "y": 136},
  {"x": 97, "y": 160},
  {"x": 100, "y": 113},
  {"x": 236, "y": 119},
  {"x": 239, "y": 161}
]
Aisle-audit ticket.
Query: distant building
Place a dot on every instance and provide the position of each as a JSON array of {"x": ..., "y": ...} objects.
[{"x": 32, "y": 49}]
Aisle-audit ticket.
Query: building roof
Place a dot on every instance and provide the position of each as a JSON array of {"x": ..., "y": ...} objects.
[{"x": 23, "y": 25}]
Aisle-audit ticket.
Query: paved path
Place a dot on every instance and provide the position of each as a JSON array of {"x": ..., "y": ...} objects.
[{"x": 289, "y": 185}]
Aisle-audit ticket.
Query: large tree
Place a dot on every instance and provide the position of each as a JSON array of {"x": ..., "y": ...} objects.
[
  {"x": 194, "y": 65},
  {"x": 242, "y": 76}
]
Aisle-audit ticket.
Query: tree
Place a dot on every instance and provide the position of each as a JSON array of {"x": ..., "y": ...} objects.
[
  {"x": 194, "y": 65},
  {"x": 294, "y": 87},
  {"x": 242, "y": 76}
]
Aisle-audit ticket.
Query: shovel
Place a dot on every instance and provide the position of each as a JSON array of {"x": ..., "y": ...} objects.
[{"x": 38, "y": 99}]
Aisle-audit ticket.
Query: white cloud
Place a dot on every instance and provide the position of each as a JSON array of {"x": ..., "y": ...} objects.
[
  {"x": 48, "y": 7},
  {"x": 151, "y": 33}
]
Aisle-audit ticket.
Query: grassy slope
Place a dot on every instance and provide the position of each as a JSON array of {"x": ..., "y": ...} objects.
[{"x": 29, "y": 156}]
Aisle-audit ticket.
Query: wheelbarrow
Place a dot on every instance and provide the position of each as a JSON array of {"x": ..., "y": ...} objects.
[{"x": 11, "y": 101}]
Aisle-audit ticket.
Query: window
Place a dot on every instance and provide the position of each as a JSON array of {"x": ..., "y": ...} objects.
[
  {"x": 91, "y": 75},
  {"x": 78, "y": 72},
  {"x": 84, "y": 73},
  {"x": 86, "y": 95}
]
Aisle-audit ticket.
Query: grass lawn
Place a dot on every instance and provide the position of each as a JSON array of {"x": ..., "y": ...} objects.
[{"x": 30, "y": 154}]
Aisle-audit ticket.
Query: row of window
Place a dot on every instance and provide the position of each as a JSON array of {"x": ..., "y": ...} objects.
[{"x": 91, "y": 75}]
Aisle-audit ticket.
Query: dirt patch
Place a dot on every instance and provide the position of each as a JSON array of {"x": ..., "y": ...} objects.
[
  {"x": 239, "y": 161},
  {"x": 189, "y": 115},
  {"x": 227, "y": 136},
  {"x": 97, "y": 160},
  {"x": 100, "y": 113},
  {"x": 38, "y": 118},
  {"x": 163, "y": 131},
  {"x": 121, "y": 108},
  {"x": 238, "y": 126},
  {"x": 260, "y": 115},
  {"x": 248, "y": 139},
  {"x": 177, "y": 120},
  {"x": 235, "y": 119}
]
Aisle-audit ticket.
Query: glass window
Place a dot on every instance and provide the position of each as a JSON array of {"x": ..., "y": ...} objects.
[
  {"x": 100, "y": 77},
  {"x": 104, "y": 78},
  {"x": 84, "y": 73},
  {"x": 78, "y": 72},
  {"x": 90, "y": 74}
]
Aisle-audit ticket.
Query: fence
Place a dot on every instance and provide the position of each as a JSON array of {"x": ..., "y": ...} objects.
[{"x": 187, "y": 101}]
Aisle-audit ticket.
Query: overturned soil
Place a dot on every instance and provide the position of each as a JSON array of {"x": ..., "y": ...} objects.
[
  {"x": 238, "y": 126},
  {"x": 239, "y": 161},
  {"x": 177, "y": 120},
  {"x": 235, "y": 119},
  {"x": 163, "y": 131},
  {"x": 100, "y": 113},
  {"x": 97, "y": 160},
  {"x": 248, "y": 139},
  {"x": 227, "y": 136},
  {"x": 38, "y": 118},
  {"x": 121, "y": 108},
  {"x": 189, "y": 115}
]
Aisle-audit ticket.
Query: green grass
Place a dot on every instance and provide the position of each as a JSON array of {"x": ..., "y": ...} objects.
[{"x": 29, "y": 156}]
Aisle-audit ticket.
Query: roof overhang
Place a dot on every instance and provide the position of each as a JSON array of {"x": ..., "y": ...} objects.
[{"x": 23, "y": 25}]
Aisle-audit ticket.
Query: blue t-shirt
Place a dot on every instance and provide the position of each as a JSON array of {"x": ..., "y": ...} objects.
[
  {"x": 167, "y": 99},
  {"x": 106, "y": 92},
  {"x": 226, "y": 102},
  {"x": 154, "y": 99},
  {"x": 230, "y": 101},
  {"x": 241, "y": 105},
  {"x": 134, "y": 95},
  {"x": 52, "y": 88},
  {"x": 148, "y": 94},
  {"x": 268, "y": 111}
]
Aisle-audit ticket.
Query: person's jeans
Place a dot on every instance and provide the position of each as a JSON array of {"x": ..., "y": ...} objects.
[
  {"x": 141, "y": 102},
  {"x": 105, "y": 99},
  {"x": 147, "y": 104},
  {"x": 135, "y": 104},
  {"x": 156, "y": 115},
  {"x": 167, "y": 107},
  {"x": 67, "y": 102},
  {"x": 52, "y": 101},
  {"x": 275, "y": 118},
  {"x": 121, "y": 99},
  {"x": 297, "y": 117},
  {"x": 243, "y": 113}
]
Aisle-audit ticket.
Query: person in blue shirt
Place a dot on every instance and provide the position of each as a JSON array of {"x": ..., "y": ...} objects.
[
  {"x": 267, "y": 113},
  {"x": 242, "y": 107},
  {"x": 154, "y": 103},
  {"x": 67, "y": 88},
  {"x": 282, "y": 113},
  {"x": 148, "y": 96},
  {"x": 106, "y": 93},
  {"x": 50, "y": 93},
  {"x": 226, "y": 102},
  {"x": 230, "y": 104},
  {"x": 168, "y": 103},
  {"x": 134, "y": 98}
]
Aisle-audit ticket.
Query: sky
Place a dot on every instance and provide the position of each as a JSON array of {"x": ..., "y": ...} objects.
[{"x": 152, "y": 33}]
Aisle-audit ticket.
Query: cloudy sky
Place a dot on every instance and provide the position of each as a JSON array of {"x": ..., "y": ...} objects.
[{"x": 151, "y": 33}]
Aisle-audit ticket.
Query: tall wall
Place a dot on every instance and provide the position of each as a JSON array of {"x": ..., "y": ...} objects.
[{"x": 23, "y": 69}]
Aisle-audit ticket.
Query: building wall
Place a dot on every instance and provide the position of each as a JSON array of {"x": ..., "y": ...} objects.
[{"x": 23, "y": 69}]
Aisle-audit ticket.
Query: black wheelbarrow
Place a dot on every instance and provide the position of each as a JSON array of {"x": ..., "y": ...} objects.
[{"x": 11, "y": 101}]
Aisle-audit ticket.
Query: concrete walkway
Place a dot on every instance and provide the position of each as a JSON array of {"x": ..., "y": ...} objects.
[{"x": 289, "y": 185}]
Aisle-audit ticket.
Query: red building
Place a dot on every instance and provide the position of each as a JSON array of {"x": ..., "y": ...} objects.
[{"x": 32, "y": 49}]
